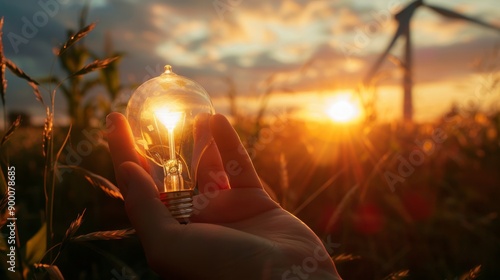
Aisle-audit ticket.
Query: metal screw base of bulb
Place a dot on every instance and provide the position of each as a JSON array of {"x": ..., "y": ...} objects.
[{"x": 179, "y": 203}]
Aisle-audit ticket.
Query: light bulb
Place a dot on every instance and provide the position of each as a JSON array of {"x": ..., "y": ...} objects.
[{"x": 164, "y": 114}]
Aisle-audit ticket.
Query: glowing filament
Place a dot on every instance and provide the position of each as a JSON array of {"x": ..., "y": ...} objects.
[{"x": 168, "y": 119}]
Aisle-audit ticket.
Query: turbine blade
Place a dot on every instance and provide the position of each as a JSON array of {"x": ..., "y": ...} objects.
[
  {"x": 406, "y": 13},
  {"x": 382, "y": 57},
  {"x": 455, "y": 15}
]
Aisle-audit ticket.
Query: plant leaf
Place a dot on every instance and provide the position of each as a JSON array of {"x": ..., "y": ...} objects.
[
  {"x": 75, "y": 38},
  {"x": 3, "y": 81},
  {"x": 97, "y": 64},
  {"x": 11, "y": 130},
  {"x": 97, "y": 181},
  {"x": 17, "y": 71},
  {"x": 36, "y": 246}
]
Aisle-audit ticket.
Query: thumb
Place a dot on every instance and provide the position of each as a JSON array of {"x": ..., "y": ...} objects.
[{"x": 142, "y": 202}]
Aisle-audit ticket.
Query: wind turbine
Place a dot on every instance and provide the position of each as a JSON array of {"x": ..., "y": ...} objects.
[{"x": 403, "y": 18}]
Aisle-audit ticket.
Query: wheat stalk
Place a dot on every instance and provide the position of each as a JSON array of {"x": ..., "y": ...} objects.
[
  {"x": 95, "y": 65},
  {"x": 75, "y": 38},
  {"x": 402, "y": 274},
  {"x": 37, "y": 92},
  {"x": 345, "y": 257},
  {"x": 74, "y": 226},
  {"x": 105, "y": 235},
  {"x": 11, "y": 130},
  {"x": 17, "y": 71},
  {"x": 47, "y": 132},
  {"x": 472, "y": 274},
  {"x": 97, "y": 181}
]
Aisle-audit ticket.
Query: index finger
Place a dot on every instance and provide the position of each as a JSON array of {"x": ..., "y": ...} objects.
[{"x": 238, "y": 165}]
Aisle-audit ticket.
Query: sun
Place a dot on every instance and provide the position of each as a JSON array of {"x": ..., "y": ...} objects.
[{"x": 343, "y": 109}]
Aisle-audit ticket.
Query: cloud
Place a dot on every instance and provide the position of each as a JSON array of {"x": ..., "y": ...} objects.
[{"x": 297, "y": 40}]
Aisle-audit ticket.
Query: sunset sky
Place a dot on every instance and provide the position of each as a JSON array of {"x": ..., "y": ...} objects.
[{"x": 315, "y": 49}]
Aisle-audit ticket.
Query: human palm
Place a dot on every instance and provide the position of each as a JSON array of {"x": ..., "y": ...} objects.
[{"x": 237, "y": 231}]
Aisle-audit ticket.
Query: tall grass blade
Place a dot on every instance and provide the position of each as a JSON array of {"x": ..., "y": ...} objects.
[
  {"x": 105, "y": 235},
  {"x": 323, "y": 187},
  {"x": 11, "y": 130},
  {"x": 17, "y": 71},
  {"x": 97, "y": 64},
  {"x": 97, "y": 181},
  {"x": 75, "y": 38},
  {"x": 343, "y": 203}
]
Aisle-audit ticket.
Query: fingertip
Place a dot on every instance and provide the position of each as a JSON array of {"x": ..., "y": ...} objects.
[
  {"x": 223, "y": 132},
  {"x": 233, "y": 153},
  {"x": 218, "y": 120},
  {"x": 112, "y": 119}
]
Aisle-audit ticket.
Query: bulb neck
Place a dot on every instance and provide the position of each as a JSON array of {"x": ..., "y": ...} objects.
[{"x": 179, "y": 203}]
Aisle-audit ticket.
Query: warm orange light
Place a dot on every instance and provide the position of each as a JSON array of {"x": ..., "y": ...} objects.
[{"x": 343, "y": 109}]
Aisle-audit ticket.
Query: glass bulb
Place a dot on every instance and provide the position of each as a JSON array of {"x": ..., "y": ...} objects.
[{"x": 164, "y": 114}]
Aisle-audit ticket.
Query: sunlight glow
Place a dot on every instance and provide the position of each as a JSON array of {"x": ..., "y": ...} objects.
[{"x": 343, "y": 109}]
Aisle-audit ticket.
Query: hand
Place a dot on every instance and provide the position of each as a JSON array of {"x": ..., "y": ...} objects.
[{"x": 237, "y": 231}]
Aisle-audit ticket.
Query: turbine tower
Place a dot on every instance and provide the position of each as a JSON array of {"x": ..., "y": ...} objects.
[{"x": 403, "y": 18}]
